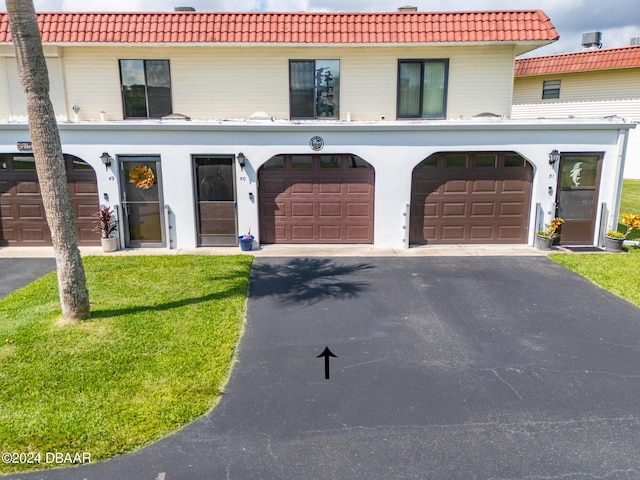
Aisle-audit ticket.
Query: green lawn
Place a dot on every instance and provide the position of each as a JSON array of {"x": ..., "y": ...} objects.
[
  {"x": 617, "y": 273},
  {"x": 155, "y": 355},
  {"x": 630, "y": 203}
]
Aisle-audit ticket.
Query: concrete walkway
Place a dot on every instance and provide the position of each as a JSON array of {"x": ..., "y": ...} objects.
[{"x": 301, "y": 251}]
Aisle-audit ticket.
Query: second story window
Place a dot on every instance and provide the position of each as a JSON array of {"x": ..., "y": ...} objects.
[
  {"x": 146, "y": 88},
  {"x": 314, "y": 89},
  {"x": 422, "y": 88},
  {"x": 551, "y": 89}
]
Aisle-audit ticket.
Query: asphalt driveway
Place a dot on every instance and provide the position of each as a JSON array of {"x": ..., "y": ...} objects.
[
  {"x": 446, "y": 368},
  {"x": 15, "y": 273}
]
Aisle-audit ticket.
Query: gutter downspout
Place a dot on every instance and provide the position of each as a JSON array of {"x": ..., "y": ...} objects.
[{"x": 623, "y": 141}]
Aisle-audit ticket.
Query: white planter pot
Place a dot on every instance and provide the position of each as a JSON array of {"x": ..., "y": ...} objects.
[{"x": 109, "y": 244}]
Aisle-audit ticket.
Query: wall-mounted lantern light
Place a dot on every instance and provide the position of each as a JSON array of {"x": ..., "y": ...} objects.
[
  {"x": 242, "y": 160},
  {"x": 554, "y": 156},
  {"x": 106, "y": 159}
]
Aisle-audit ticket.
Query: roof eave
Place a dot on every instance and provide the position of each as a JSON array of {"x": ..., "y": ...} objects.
[
  {"x": 520, "y": 46},
  {"x": 581, "y": 70},
  {"x": 533, "y": 45}
]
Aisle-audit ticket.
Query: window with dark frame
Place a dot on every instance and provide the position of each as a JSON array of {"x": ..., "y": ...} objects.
[
  {"x": 314, "y": 89},
  {"x": 146, "y": 88},
  {"x": 422, "y": 88},
  {"x": 551, "y": 89}
]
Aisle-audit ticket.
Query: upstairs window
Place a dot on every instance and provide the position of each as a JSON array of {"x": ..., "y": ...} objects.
[
  {"x": 146, "y": 88},
  {"x": 422, "y": 88},
  {"x": 314, "y": 89},
  {"x": 551, "y": 89}
]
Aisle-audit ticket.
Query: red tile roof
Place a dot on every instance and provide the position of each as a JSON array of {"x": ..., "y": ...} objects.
[
  {"x": 314, "y": 28},
  {"x": 609, "y": 58}
]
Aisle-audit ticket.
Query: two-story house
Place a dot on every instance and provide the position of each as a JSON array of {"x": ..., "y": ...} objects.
[
  {"x": 590, "y": 83},
  {"x": 391, "y": 129}
]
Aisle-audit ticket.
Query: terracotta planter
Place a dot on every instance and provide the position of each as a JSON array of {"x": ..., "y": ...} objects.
[
  {"x": 109, "y": 244},
  {"x": 544, "y": 243},
  {"x": 613, "y": 244}
]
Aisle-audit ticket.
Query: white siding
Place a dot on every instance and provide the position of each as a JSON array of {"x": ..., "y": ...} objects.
[
  {"x": 93, "y": 80},
  {"x": 481, "y": 81},
  {"x": 586, "y": 94},
  {"x": 14, "y": 103},
  {"x": 596, "y": 93},
  {"x": 233, "y": 82},
  {"x": 5, "y": 99}
]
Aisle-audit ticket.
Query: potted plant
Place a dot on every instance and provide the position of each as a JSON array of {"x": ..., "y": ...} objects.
[
  {"x": 246, "y": 241},
  {"x": 107, "y": 226},
  {"x": 547, "y": 236},
  {"x": 613, "y": 239}
]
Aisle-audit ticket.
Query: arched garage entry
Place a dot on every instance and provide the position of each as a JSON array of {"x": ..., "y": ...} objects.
[
  {"x": 22, "y": 218},
  {"x": 316, "y": 199},
  {"x": 470, "y": 198}
]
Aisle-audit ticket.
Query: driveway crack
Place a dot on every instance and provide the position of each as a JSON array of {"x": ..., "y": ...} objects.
[{"x": 495, "y": 372}]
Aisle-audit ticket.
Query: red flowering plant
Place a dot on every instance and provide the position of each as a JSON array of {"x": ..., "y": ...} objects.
[{"x": 106, "y": 224}]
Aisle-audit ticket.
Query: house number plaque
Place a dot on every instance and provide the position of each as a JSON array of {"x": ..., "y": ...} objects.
[{"x": 316, "y": 143}]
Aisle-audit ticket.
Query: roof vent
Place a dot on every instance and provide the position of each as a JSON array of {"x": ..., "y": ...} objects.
[
  {"x": 177, "y": 116},
  {"x": 261, "y": 115},
  {"x": 592, "y": 41},
  {"x": 184, "y": 9},
  {"x": 408, "y": 8}
]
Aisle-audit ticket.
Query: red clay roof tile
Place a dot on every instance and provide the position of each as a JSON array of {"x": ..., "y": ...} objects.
[
  {"x": 268, "y": 27},
  {"x": 609, "y": 58}
]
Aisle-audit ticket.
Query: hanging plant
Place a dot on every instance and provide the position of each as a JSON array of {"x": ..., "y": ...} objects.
[{"x": 142, "y": 177}]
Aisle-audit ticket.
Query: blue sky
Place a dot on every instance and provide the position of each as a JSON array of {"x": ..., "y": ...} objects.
[{"x": 618, "y": 20}]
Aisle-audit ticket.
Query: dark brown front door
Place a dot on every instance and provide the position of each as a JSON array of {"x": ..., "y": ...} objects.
[
  {"x": 22, "y": 217},
  {"x": 579, "y": 177},
  {"x": 216, "y": 201},
  {"x": 470, "y": 198},
  {"x": 316, "y": 199}
]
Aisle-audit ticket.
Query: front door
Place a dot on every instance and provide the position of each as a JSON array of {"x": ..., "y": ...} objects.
[
  {"x": 215, "y": 201},
  {"x": 578, "y": 197},
  {"x": 142, "y": 201}
]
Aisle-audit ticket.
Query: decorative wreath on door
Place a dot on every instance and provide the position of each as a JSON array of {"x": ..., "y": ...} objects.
[{"x": 142, "y": 177}]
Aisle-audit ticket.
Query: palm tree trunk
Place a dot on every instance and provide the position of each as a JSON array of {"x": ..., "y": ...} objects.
[{"x": 50, "y": 165}]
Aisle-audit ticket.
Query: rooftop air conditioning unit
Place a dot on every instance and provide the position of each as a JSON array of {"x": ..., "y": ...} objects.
[
  {"x": 408, "y": 8},
  {"x": 635, "y": 41},
  {"x": 184, "y": 9},
  {"x": 592, "y": 40}
]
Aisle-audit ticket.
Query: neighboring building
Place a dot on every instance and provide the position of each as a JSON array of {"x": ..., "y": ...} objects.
[
  {"x": 389, "y": 129},
  {"x": 591, "y": 83}
]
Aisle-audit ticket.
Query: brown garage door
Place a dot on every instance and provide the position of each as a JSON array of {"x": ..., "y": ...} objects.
[
  {"x": 22, "y": 217},
  {"x": 470, "y": 198},
  {"x": 316, "y": 199}
]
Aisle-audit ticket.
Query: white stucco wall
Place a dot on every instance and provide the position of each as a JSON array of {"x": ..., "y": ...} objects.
[{"x": 392, "y": 148}]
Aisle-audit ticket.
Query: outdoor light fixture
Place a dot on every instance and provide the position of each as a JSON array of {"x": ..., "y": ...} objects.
[
  {"x": 242, "y": 160},
  {"x": 106, "y": 159},
  {"x": 554, "y": 156}
]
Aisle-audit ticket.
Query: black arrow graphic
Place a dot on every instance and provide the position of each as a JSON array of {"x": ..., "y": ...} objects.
[{"x": 326, "y": 354}]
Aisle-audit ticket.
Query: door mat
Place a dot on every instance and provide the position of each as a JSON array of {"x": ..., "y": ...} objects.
[{"x": 584, "y": 249}]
